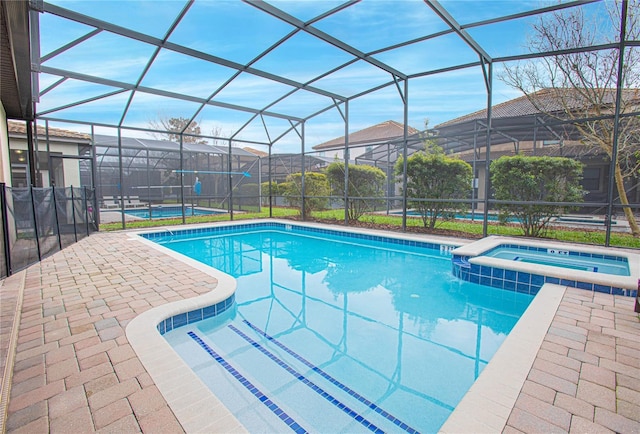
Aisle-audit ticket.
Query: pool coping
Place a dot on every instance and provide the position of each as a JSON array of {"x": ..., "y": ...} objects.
[
  {"x": 488, "y": 403},
  {"x": 187, "y": 396},
  {"x": 485, "y": 405}
]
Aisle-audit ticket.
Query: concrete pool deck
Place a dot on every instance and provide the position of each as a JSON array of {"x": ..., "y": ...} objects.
[{"x": 74, "y": 370}]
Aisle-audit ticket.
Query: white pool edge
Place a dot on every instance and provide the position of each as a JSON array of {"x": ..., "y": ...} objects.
[
  {"x": 488, "y": 403},
  {"x": 485, "y": 407},
  {"x": 194, "y": 405}
]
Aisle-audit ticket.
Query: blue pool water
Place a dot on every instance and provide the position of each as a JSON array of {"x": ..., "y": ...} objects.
[
  {"x": 615, "y": 265},
  {"x": 160, "y": 212},
  {"x": 337, "y": 334}
]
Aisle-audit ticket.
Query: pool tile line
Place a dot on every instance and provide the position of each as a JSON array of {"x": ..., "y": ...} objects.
[
  {"x": 616, "y": 258},
  {"x": 334, "y": 381},
  {"x": 444, "y": 248},
  {"x": 522, "y": 281},
  {"x": 264, "y": 399},
  {"x": 300, "y": 377},
  {"x": 195, "y": 315}
]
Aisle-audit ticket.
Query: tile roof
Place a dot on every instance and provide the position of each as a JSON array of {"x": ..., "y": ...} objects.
[
  {"x": 375, "y": 134},
  {"x": 16, "y": 127},
  {"x": 546, "y": 101},
  {"x": 256, "y": 151}
]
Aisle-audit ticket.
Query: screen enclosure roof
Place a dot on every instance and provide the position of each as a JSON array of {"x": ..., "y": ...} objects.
[{"x": 274, "y": 72}]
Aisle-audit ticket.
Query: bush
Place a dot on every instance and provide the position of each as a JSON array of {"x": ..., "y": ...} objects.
[
  {"x": 276, "y": 190},
  {"x": 535, "y": 179},
  {"x": 316, "y": 191},
  {"x": 436, "y": 176},
  {"x": 366, "y": 182}
]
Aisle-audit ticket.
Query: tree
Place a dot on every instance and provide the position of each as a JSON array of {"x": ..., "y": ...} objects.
[
  {"x": 365, "y": 182},
  {"x": 572, "y": 86},
  {"x": 276, "y": 190},
  {"x": 433, "y": 175},
  {"x": 316, "y": 191},
  {"x": 535, "y": 179},
  {"x": 173, "y": 127}
]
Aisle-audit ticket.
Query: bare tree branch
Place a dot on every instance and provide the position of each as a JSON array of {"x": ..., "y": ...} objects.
[{"x": 579, "y": 85}]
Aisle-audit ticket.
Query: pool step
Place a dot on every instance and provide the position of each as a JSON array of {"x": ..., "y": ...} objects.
[{"x": 300, "y": 395}]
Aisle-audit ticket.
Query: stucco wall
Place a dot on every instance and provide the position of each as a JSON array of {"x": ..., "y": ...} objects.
[{"x": 5, "y": 167}]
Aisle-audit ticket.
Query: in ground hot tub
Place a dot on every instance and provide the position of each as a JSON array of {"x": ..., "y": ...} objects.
[
  {"x": 526, "y": 265},
  {"x": 594, "y": 262}
]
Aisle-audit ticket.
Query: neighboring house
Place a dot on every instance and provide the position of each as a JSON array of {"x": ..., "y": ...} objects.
[
  {"x": 519, "y": 126},
  {"x": 59, "y": 159},
  {"x": 256, "y": 152},
  {"x": 363, "y": 141}
]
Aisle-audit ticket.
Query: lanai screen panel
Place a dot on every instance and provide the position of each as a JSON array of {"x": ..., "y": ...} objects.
[{"x": 252, "y": 73}]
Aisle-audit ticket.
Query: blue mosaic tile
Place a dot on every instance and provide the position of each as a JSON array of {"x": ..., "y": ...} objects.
[
  {"x": 208, "y": 312},
  {"x": 510, "y": 285},
  {"x": 551, "y": 279},
  {"x": 195, "y": 315},
  {"x": 510, "y": 275},
  {"x": 567, "y": 282},
  {"x": 179, "y": 320},
  {"x": 497, "y": 273},
  {"x": 602, "y": 288},
  {"x": 485, "y": 271},
  {"x": 584, "y": 285},
  {"x": 332, "y": 380},
  {"x": 291, "y": 423},
  {"x": 524, "y": 288},
  {"x": 281, "y": 363},
  {"x": 618, "y": 291},
  {"x": 498, "y": 283},
  {"x": 537, "y": 280},
  {"x": 485, "y": 280},
  {"x": 523, "y": 277}
]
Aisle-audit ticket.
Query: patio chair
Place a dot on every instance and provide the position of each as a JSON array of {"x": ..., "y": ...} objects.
[
  {"x": 134, "y": 202},
  {"x": 110, "y": 202}
]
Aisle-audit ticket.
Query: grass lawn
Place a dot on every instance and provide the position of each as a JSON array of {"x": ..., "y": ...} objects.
[{"x": 414, "y": 224}]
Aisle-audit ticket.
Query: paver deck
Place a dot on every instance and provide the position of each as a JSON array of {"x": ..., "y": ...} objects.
[{"x": 74, "y": 370}]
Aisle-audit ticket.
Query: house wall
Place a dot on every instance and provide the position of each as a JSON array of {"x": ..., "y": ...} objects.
[
  {"x": 597, "y": 189},
  {"x": 339, "y": 153},
  {"x": 5, "y": 166},
  {"x": 71, "y": 168}
]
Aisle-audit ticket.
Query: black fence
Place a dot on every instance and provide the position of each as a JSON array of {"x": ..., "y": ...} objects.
[{"x": 37, "y": 222}]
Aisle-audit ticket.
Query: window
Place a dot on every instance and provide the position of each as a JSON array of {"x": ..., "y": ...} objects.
[{"x": 591, "y": 179}]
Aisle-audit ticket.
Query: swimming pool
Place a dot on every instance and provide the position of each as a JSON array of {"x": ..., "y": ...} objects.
[
  {"x": 588, "y": 220},
  {"x": 168, "y": 212},
  {"x": 331, "y": 332}
]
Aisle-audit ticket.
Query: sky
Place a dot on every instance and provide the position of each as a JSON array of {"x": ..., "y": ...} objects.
[{"x": 238, "y": 32}]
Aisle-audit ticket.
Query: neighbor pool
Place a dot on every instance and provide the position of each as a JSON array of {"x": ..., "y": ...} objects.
[
  {"x": 337, "y": 332},
  {"x": 160, "y": 212},
  {"x": 477, "y": 216}
]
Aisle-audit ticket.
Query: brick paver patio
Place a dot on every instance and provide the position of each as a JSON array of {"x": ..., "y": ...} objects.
[{"x": 75, "y": 371}]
